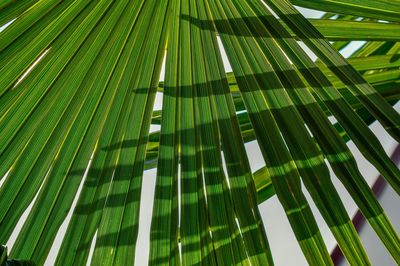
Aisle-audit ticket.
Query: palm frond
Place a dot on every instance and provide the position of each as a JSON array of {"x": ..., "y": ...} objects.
[{"x": 78, "y": 83}]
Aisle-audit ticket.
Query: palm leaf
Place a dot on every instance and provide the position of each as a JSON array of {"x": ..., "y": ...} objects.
[{"x": 78, "y": 82}]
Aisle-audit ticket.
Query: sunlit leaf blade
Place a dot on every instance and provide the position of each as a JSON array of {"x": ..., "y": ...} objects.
[
  {"x": 12, "y": 69},
  {"x": 379, "y": 9},
  {"x": 25, "y": 21},
  {"x": 118, "y": 228},
  {"x": 336, "y": 30},
  {"x": 240, "y": 184},
  {"x": 323, "y": 87},
  {"x": 283, "y": 170},
  {"x": 368, "y": 197},
  {"x": 87, "y": 214},
  {"x": 96, "y": 80},
  {"x": 25, "y": 160},
  {"x": 389, "y": 118},
  {"x": 308, "y": 159},
  {"x": 10, "y": 10},
  {"x": 189, "y": 229},
  {"x": 164, "y": 225}
]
